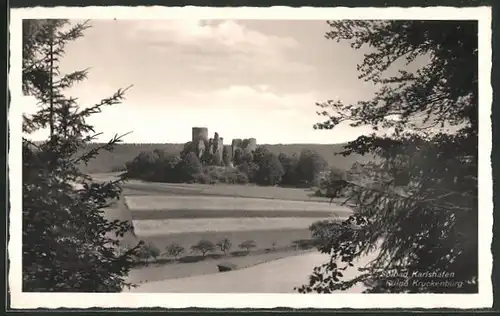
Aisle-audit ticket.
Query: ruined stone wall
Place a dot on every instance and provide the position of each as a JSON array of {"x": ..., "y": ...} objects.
[
  {"x": 227, "y": 155},
  {"x": 235, "y": 144},
  {"x": 250, "y": 145},
  {"x": 214, "y": 148},
  {"x": 218, "y": 150},
  {"x": 246, "y": 145}
]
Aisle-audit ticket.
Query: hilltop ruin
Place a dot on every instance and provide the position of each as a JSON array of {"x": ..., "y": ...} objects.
[{"x": 215, "y": 148}]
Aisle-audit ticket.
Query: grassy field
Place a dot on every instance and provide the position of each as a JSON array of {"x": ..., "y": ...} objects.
[
  {"x": 123, "y": 153},
  {"x": 142, "y": 188},
  {"x": 271, "y": 245},
  {"x": 263, "y": 238},
  {"x": 275, "y": 218},
  {"x": 180, "y": 202},
  {"x": 221, "y": 225},
  {"x": 228, "y": 214}
]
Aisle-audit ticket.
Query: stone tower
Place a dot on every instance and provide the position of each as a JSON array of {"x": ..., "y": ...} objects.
[{"x": 199, "y": 139}]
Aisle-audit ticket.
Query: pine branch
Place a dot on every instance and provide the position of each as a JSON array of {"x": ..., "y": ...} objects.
[{"x": 95, "y": 151}]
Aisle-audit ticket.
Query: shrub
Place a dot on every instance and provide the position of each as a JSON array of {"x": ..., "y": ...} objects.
[
  {"x": 259, "y": 154},
  {"x": 204, "y": 178},
  {"x": 142, "y": 166},
  {"x": 215, "y": 174},
  {"x": 247, "y": 245},
  {"x": 331, "y": 185},
  {"x": 235, "y": 176},
  {"x": 189, "y": 167},
  {"x": 241, "y": 178},
  {"x": 154, "y": 165},
  {"x": 149, "y": 250},
  {"x": 119, "y": 169},
  {"x": 218, "y": 174},
  {"x": 250, "y": 169}
]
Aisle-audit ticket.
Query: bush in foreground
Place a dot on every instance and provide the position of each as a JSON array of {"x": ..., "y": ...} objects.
[
  {"x": 67, "y": 243},
  {"x": 421, "y": 207}
]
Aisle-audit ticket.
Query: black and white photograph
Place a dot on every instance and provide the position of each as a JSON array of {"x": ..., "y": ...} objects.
[{"x": 250, "y": 157}]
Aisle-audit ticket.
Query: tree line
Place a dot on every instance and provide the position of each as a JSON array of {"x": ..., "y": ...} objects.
[
  {"x": 203, "y": 247},
  {"x": 261, "y": 167}
]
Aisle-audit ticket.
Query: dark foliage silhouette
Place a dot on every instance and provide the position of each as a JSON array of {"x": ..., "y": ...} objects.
[
  {"x": 68, "y": 244},
  {"x": 418, "y": 204}
]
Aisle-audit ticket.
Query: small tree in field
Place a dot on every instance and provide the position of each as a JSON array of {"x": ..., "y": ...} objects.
[
  {"x": 68, "y": 245},
  {"x": 224, "y": 245},
  {"x": 175, "y": 250},
  {"x": 153, "y": 250},
  {"x": 148, "y": 250},
  {"x": 203, "y": 246},
  {"x": 247, "y": 245}
]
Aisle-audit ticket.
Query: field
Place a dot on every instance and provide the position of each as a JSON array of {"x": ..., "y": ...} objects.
[
  {"x": 275, "y": 276},
  {"x": 142, "y": 188},
  {"x": 123, "y": 153},
  {"x": 276, "y": 219}
]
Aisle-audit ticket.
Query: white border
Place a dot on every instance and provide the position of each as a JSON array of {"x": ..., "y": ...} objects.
[{"x": 131, "y": 300}]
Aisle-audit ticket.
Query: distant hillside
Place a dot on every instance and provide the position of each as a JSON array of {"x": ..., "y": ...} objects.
[{"x": 124, "y": 153}]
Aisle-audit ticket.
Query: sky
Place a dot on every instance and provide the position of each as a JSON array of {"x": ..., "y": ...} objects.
[{"x": 240, "y": 78}]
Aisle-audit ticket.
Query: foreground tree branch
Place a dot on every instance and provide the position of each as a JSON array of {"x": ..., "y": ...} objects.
[{"x": 416, "y": 203}]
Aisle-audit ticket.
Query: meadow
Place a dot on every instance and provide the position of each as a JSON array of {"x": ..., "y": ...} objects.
[
  {"x": 276, "y": 219},
  {"x": 142, "y": 188}
]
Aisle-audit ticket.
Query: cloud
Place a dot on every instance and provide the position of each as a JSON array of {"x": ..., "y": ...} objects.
[
  {"x": 227, "y": 33},
  {"x": 216, "y": 46},
  {"x": 247, "y": 98}
]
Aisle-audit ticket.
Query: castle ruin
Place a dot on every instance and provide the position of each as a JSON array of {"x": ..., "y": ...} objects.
[{"x": 215, "y": 148}]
